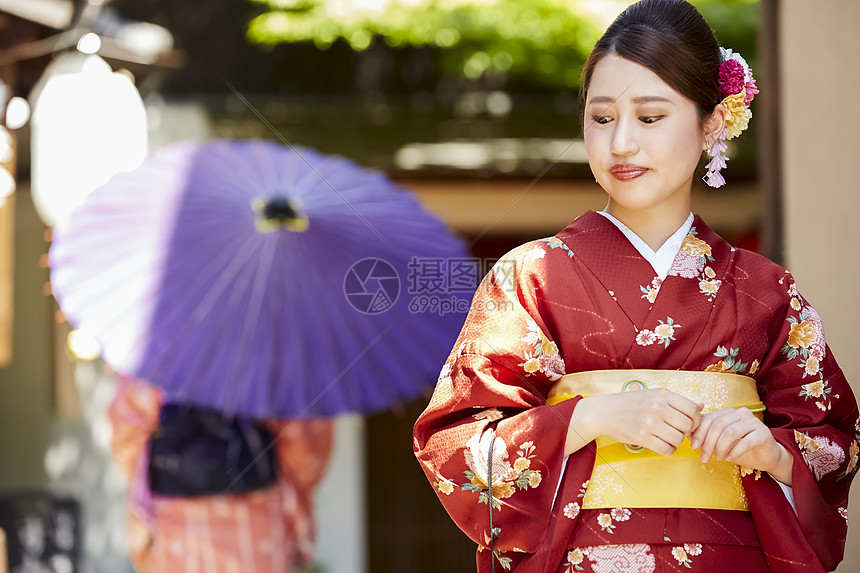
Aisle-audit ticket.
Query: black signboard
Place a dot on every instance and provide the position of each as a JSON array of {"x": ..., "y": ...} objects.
[{"x": 43, "y": 532}]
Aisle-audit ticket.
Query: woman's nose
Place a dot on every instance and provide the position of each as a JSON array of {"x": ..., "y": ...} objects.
[{"x": 623, "y": 139}]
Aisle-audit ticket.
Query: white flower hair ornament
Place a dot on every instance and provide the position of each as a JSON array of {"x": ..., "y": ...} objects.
[{"x": 737, "y": 86}]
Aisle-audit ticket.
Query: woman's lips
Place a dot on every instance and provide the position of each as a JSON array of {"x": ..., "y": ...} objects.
[{"x": 627, "y": 172}]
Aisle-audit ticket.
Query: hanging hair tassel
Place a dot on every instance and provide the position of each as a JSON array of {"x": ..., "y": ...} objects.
[{"x": 717, "y": 152}]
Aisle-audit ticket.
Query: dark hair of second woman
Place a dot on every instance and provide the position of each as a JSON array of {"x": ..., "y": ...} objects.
[{"x": 670, "y": 38}]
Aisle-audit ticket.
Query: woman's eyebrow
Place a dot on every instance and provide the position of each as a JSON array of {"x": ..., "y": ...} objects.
[
  {"x": 638, "y": 99},
  {"x": 648, "y": 99}
]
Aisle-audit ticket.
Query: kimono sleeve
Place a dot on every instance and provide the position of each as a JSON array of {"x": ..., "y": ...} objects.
[
  {"x": 302, "y": 449},
  {"x": 134, "y": 415},
  {"x": 492, "y": 390},
  {"x": 812, "y": 412}
]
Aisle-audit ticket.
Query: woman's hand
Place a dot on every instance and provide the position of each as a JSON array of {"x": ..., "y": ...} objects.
[
  {"x": 737, "y": 436},
  {"x": 656, "y": 419}
]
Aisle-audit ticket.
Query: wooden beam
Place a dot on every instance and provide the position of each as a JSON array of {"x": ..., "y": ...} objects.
[
  {"x": 37, "y": 48},
  {"x": 4, "y": 561},
  {"x": 67, "y": 399},
  {"x": 110, "y": 49},
  {"x": 7, "y": 278},
  {"x": 516, "y": 208},
  {"x": 769, "y": 134},
  {"x": 7, "y": 242},
  {"x": 55, "y": 14}
]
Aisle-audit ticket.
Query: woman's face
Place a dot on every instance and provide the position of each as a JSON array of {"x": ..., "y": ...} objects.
[{"x": 642, "y": 138}]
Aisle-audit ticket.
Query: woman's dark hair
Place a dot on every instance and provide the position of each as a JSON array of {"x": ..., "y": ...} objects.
[{"x": 670, "y": 38}]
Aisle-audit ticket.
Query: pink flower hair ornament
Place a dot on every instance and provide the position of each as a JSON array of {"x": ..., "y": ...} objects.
[{"x": 737, "y": 86}]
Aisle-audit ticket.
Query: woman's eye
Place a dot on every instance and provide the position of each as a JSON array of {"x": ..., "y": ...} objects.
[
  {"x": 650, "y": 118},
  {"x": 601, "y": 119}
]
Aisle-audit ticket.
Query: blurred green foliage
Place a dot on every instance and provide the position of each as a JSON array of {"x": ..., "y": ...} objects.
[
  {"x": 516, "y": 38},
  {"x": 735, "y": 23},
  {"x": 541, "y": 43}
]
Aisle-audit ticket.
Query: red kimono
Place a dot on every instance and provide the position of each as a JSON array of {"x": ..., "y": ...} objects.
[{"x": 586, "y": 299}]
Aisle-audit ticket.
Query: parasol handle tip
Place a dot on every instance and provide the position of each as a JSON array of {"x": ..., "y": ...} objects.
[
  {"x": 276, "y": 213},
  {"x": 279, "y": 209}
]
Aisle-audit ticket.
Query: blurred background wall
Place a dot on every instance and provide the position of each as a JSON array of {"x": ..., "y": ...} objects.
[{"x": 820, "y": 80}]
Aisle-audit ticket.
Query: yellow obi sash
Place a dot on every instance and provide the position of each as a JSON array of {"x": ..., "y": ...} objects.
[{"x": 627, "y": 476}]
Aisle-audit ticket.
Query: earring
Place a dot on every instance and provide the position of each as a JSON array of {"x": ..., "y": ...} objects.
[{"x": 717, "y": 153}]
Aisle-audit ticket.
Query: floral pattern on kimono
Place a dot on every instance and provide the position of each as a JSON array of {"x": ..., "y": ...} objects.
[
  {"x": 582, "y": 307},
  {"x": 645, "y": 558},
  {"x": 692, "y": 262},
  {"x": 621, "y": 558}
]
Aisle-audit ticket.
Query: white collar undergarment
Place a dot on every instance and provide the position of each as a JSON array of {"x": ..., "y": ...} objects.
[{"x": 660, "y": 260}]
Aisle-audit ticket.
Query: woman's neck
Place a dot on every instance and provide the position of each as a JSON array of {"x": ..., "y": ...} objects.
[{"x": 652, "y": 226}]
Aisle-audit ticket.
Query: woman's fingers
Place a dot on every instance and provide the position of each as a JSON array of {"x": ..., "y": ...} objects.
[
  {"x": 661, "y": 447},
  {"x": 731, "y": 436},
  {"x": 660, "y": 420},
  {"x": 699, "y": 434},
  {"x": 709, "y": 432},
  {"x": 722, "y": 430},
  {"x": 670, "y": 418},
  {"x": 679, "y": 421},
  {"x": 749, "y": 442},
  {"x": 676, "y": 411},
  {"x": 657, "y": 418},
  {"x": 698, "y": 419},
  {"x": 670, "y": 435},
  {"x": 692, "y": 410}
]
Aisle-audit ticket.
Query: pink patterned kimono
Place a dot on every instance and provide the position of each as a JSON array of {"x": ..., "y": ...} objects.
[
  {"x": 266, "y": 531},
  {"x": 586, "y": 299}
]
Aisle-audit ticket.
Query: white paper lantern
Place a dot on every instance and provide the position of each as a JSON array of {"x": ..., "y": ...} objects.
[{"x": 88, "y": 124}]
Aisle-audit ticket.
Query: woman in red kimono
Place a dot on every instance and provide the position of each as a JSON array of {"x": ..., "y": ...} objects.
[{"x": 689, "y": 471}]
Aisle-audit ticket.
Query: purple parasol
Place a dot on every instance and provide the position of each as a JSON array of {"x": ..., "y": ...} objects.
[{"x": 259, "y": 279}]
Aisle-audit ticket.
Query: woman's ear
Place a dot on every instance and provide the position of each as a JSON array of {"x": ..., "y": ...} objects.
[{"x": 715, "y": 124}]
